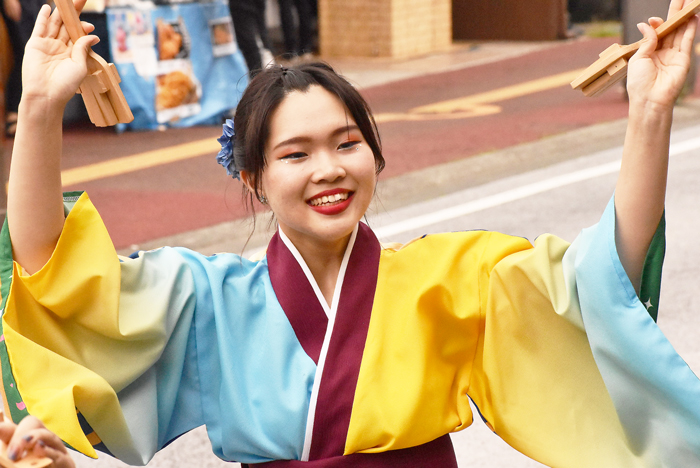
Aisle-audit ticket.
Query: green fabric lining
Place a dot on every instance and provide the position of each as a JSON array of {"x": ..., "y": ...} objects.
[{"x": 650, "y": 288}]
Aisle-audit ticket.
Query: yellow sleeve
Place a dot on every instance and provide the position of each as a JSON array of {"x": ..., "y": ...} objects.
[
  {"x": 493, "y": 318},
  {"x": 535, "y": 380},
  {"x": 90, "y": 338}
]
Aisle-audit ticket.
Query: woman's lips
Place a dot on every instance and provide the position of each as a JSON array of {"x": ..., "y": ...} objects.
[{"x": 331, "y": 207}]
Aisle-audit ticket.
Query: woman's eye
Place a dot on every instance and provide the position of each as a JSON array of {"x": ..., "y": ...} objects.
[
  {"x": 348, "y": 145},
  {"x": 292, "y": 156}
]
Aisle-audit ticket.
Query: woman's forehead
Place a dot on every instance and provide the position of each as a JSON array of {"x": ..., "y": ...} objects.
[{"x": 314, "y": 113}]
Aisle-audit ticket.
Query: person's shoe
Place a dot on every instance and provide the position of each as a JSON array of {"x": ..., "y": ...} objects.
[
  {"x": 11, "y": 124},
  {"x": 307, "y": 58}
]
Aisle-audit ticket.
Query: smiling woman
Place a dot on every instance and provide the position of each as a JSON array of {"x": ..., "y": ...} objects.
[
  {"x": 319, "y": 178},
  {"x": 333, "y": 350}
]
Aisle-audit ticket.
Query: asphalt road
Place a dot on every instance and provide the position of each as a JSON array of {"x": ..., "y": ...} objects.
[{"x": 561, "y": 199}]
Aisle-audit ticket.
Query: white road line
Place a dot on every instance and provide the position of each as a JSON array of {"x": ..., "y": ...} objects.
[{"x": 515, "y": 194}]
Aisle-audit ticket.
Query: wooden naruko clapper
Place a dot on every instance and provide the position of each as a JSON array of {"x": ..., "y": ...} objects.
[{"x": 100, "y": 90}]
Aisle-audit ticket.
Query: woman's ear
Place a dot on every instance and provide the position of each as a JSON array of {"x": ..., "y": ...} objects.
[{"x": 247, "y": 180}]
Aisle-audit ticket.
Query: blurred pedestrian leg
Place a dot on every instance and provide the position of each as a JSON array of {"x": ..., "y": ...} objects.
[
  {"x": 298, "y": 32},
  {"x": 6, "y": 60},
  {"x": 251, "y": 32},
  {"x": 19, "y": 17}
]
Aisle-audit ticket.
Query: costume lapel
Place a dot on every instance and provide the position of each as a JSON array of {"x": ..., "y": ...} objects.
[
  {"x": 297, "y": 297},
  {"x": 347, "y": 342},
  {"x": 335, "y": 341}
]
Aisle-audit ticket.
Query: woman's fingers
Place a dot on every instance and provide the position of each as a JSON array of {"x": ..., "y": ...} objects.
[
  {"x": 676, "y": 6},
  {"x": 687, "y": 40},
  {"x": 59, "y": 454},
  {"x": 41, "y": 21},
  {"x": 21, "y": 438},
  {"x": 63, "y": 35},
  {"x": 41, "y": 450},
  {"x": 46, "y": 440},
  {"x": 81, "y": 48},
  {"x": 87, "y": 27},
  {"x": 79, "y": 5},
  {"x": 7, "y": 429},
  {"x": 676, "y": 38},
  {"x": 30, "y": 437},
  {"x": 655, "y": 21},
  {"x": 44, "y": 443},
  {"x": 648, "y": 46},
  {"x": 54, "y": 25}
]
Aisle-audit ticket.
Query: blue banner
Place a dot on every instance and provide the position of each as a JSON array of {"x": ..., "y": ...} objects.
[{"x": 179, "y": 64}]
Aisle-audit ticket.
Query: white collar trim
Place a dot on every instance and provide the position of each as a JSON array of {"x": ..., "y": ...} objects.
[
  {"x": 330, "y": 313},
  {"x": 331, "y": 309}
]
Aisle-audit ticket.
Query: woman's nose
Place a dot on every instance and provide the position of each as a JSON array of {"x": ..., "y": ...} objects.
[{"x": 328, "y": 168}]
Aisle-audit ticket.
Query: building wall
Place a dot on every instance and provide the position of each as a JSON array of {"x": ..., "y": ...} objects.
[{"x": 384, "y": 28}]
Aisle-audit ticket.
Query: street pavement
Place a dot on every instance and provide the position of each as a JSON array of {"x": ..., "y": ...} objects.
[{"x": 460, "y": 130}]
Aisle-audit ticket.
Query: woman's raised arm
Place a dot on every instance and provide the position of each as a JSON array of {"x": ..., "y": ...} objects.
[
  {"x": 52, "y": 71},
  {"x": 655, "y": 79}
]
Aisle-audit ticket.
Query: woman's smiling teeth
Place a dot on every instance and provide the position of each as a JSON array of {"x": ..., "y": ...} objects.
[{"x": 329, "y": 200}]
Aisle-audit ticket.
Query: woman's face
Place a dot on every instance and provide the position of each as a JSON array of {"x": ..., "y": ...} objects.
[{"x": 320, "y": 173}]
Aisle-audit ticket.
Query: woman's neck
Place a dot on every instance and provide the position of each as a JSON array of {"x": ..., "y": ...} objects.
[{"x": 324, "y": 260}]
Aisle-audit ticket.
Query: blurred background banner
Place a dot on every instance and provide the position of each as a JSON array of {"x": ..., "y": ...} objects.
[{"x": 179, "y": 63}]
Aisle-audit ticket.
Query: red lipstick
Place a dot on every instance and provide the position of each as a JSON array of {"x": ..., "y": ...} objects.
[{"x": 333, "y": 208}]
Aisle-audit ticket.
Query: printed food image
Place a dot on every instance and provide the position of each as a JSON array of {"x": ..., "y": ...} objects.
[
  {"x": 169, "y": 41},
  {"x": 222, "y": 33},
  {"x": 175, "y": 89},
  {"x": 121, "y": 39}
]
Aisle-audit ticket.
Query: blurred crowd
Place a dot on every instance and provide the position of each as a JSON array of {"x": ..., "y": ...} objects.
[
  {"x": 298, "y": 19},
  {"x": 18, "y": 17}
]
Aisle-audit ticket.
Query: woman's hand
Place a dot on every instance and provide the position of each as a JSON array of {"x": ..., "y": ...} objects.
[
  {"x": 30, "y": 436},
  {"x": 656, "y": 75},
  {"x": 53, "y": 66}
]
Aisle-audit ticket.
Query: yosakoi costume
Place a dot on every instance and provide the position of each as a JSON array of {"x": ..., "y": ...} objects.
[{"x": 551, "y": 342}]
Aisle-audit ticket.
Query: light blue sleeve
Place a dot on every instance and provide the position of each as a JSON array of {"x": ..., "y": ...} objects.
[
  {"x": 655, "y": 393},
  {"x": 255, "y": 377}
]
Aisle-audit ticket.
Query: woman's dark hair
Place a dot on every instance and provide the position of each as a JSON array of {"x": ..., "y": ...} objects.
[{"x": 265, "y": 93}]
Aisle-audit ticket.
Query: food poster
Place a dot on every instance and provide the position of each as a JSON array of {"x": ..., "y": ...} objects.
[
  {"x": 222, "y": 38},
  {"x": 195, "y": 73},
  {"x": 178, "y": 91}
]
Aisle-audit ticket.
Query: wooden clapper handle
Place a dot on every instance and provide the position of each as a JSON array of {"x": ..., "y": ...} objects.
[
  {"x": 101, "y": 93},
  {"x": 27, "y": 462},
  {"x": 611, "y": 67}
]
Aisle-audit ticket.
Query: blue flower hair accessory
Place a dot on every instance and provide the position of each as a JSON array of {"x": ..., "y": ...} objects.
[{"x": 225, "y": 156}]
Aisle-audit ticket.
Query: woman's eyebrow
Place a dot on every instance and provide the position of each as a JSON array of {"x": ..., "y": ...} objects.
[
  {"x": 305, "y": 139},
  {"x": 345, "y": 129}
]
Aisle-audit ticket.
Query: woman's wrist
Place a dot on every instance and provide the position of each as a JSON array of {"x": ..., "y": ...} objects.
[
  {"x": 40, "y": 111},
  {"x": 651, "y": 109},
  {"x": 650, "y": 116}
]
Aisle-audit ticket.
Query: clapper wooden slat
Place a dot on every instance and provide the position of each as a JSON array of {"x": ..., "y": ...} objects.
[
  {"x": 611, "y": 67},
  {"x": 101, "y": 93}
]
